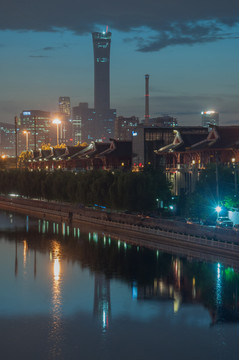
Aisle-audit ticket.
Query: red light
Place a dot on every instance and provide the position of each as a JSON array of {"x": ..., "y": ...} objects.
[{"x": 140, "y": 164}]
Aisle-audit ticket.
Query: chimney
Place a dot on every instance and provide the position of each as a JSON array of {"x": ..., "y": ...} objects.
[{"x": 146, "y": 116}]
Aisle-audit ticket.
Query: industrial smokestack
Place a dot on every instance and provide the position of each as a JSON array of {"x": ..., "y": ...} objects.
[{"x": 146, "y": 116}]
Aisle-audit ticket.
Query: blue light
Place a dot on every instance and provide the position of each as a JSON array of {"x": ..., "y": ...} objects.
[
  {"x": 26, "y": 113},
  {"x": 134, "y": 291}
]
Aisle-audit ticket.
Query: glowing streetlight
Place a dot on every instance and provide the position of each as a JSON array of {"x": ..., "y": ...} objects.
[
  {"x": 57, "y": 122},
  {"x": 26, "y": 133},
  {"x": 218, "y": 210}
]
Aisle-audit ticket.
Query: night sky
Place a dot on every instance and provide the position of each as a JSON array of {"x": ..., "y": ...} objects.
[{"x": 189, "y": 48}]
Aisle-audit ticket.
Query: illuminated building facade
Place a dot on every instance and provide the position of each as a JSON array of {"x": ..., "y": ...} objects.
[
  {"x": 39, "y": 126},
  {"x": 83, "y": 127},
  {"x": 163, "y": 121},
  {"x": 209, "y": 118},
  {"x": 7, "y": 139},
  {"x": 65, "y": 105},
  {"x": 124, "y": 127}
]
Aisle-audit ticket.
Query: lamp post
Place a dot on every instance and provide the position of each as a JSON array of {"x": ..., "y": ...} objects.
[
  {"x": 16, "y": 121},
  {"x": 26, "y": 133},
  {"x": 218, "y": 210},
  {"x": 235, "y": 173},
  {"x": 57, "y": 122}
]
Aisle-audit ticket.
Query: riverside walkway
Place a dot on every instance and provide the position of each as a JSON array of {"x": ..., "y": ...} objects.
[{"x": 133, "y": 228}]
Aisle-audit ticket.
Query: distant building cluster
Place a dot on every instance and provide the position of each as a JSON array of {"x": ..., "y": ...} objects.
[
  {"x": 96, "y": 126},
  {"x": 209, "y": 118}
]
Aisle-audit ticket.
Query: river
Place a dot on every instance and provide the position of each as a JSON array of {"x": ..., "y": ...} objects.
[{"x": 72, "y": 293}]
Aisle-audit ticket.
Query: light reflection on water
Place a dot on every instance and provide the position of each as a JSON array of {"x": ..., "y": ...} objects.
[
  {"x": 56, "y": 323},
  {"x": 153, "y": 296}
]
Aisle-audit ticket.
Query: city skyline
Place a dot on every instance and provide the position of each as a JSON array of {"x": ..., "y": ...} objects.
[{"x": 191, "y": 57}]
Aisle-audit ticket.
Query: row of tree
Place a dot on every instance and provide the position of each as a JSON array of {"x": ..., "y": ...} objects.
[
  {"x": 216, "y": 186},
  {"x": 120, "y": 190}
]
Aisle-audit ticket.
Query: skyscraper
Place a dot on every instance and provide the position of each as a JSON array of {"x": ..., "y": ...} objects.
[
  {"x": 101, "y": 44},
  {"x": 83, "y": 129},
  {"x": 103, "y": 119},
  {"x": 65, "y": 105},
  {"x": 38, "y": 124}
]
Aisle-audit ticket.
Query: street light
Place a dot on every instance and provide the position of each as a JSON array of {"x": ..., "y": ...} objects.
[
  {"x": 57, "y": 122},
  {"x": 26, "y": 133},
  {"x": 234, "y": 165},
  {"x": 218, "y": 210}
]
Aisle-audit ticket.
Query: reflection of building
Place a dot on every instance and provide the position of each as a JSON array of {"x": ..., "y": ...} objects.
[
  {"x": 124, "y": 127},
  {"x": 102, "y": 305},
  {"x": 38, "y": 124},
  {"x": 209, "y": 118}
]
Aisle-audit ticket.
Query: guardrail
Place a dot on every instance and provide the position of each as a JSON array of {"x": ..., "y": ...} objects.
[{"x": 62, "y": 213}]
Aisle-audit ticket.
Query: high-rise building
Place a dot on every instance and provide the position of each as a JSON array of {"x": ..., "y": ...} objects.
[
  {"x": 209, "y": 118},
  {"x": 65, "y": 105},
  {"x": 64, "y": 115},
  {"x": 38, "y": 124},
  {"x": 101, "y": 44},
  {"x": 83, "y": 129},
  {"x": 103, "y": 117},
  {"x": 7, "y": 139},
  {"x": 124, "y": 127}
]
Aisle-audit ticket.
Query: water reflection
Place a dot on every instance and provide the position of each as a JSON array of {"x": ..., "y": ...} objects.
[
  {"x": 56, "y": 330},
  {"x": 102, "y": 303},
  {"x": 120, "y": 283},
  {"x": 25, "y": 249},
  {"x": 16, "y": 259}
]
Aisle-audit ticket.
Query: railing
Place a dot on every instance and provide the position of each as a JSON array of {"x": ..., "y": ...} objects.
[{"x": 62, "y": 212}]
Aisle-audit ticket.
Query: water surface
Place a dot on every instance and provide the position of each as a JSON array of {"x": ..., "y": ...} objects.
[{"x": 71, "y": 294}]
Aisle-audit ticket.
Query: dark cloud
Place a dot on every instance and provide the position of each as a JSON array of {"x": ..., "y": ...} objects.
[
  {"x": 49, "y": 48},
  {"x": 38, "y": 56},
  {"x": 173, "y": 22}
]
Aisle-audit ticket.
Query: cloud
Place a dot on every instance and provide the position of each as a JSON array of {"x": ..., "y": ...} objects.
[
  {"x": 176, "y": 22},
  {"x": 38, "y": 56},
  {"x": 49, "y": 48},
  {"x": 176, "y": 104}
]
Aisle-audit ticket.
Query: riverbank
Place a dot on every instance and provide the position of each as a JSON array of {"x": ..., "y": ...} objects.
[{"x": 133, "y": 228}]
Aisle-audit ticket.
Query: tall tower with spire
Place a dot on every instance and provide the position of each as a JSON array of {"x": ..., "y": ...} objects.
[
  {"x": 101, "y": 45},
  {"x": 103, "y": 120}
]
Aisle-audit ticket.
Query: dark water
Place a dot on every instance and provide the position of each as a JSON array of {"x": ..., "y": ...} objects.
[{"x": 66, "y": 294}]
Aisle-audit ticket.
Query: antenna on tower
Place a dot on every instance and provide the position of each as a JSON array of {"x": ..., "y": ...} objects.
[{"x": 106, "y": 29}]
